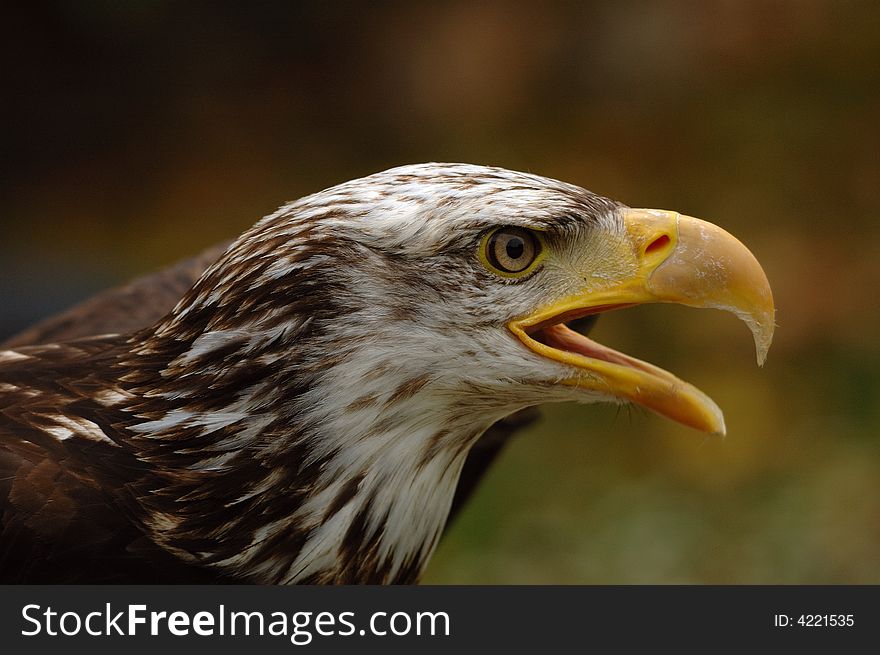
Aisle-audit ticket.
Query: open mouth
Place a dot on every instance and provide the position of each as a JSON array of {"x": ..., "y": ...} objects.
[
  {"x": 557, "y": 333},
  {"x": 616, "y": 375},
  {"x": 560, "y": 336}
]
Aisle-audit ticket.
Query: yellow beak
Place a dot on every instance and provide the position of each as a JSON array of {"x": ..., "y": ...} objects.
[{"x": 671, "y": 258}]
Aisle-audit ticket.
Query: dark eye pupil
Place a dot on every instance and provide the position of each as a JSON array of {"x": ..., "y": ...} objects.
[{"x": 515, "y": 247}]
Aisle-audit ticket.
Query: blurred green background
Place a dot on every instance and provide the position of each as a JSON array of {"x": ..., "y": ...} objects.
[{"x": 137, "y": 133}]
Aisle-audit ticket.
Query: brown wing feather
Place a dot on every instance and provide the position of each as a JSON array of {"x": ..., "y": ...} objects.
[
  {"x": 64, "y": 509},
  {"x": 59, "y": 527}
]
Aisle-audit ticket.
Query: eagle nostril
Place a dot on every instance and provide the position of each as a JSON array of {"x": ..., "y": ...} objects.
[{"x": 657, "y": 244}]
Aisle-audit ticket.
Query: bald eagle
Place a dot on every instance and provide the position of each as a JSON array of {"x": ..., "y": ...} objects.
[{"x": 303, "y": 413}]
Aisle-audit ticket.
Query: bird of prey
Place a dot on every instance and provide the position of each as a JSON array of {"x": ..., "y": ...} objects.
[{"x": 303, "y": 413}]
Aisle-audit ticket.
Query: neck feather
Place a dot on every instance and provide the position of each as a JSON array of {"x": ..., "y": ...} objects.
[{"x": 318, "y": 470}]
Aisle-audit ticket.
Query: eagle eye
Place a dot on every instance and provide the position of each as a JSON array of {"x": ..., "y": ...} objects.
[{"x": 511, "y": 251}]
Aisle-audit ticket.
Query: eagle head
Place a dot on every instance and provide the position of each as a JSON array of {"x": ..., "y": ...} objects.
[
  {"x": 305, "y": 410},
  {"x": 458, "y": 281}
]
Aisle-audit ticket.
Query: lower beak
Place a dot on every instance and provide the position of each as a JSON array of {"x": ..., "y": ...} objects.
[{"x": 674, "y": 259}]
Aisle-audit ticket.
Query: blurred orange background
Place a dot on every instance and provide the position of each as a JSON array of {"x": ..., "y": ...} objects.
[{"x": 138, "y": 133}]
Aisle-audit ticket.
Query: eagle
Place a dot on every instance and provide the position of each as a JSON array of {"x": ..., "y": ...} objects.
[{"x": 303, "y": 413}]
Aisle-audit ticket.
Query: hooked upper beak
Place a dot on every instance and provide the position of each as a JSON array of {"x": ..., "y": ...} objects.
[{"x": 675, "y": 259}]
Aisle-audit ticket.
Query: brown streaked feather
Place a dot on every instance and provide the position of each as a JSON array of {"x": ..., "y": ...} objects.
[
  {"x": 145, "y": 300},
  {"x": 60, "y": 529},
  {"x": 65, "y": 514}
]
